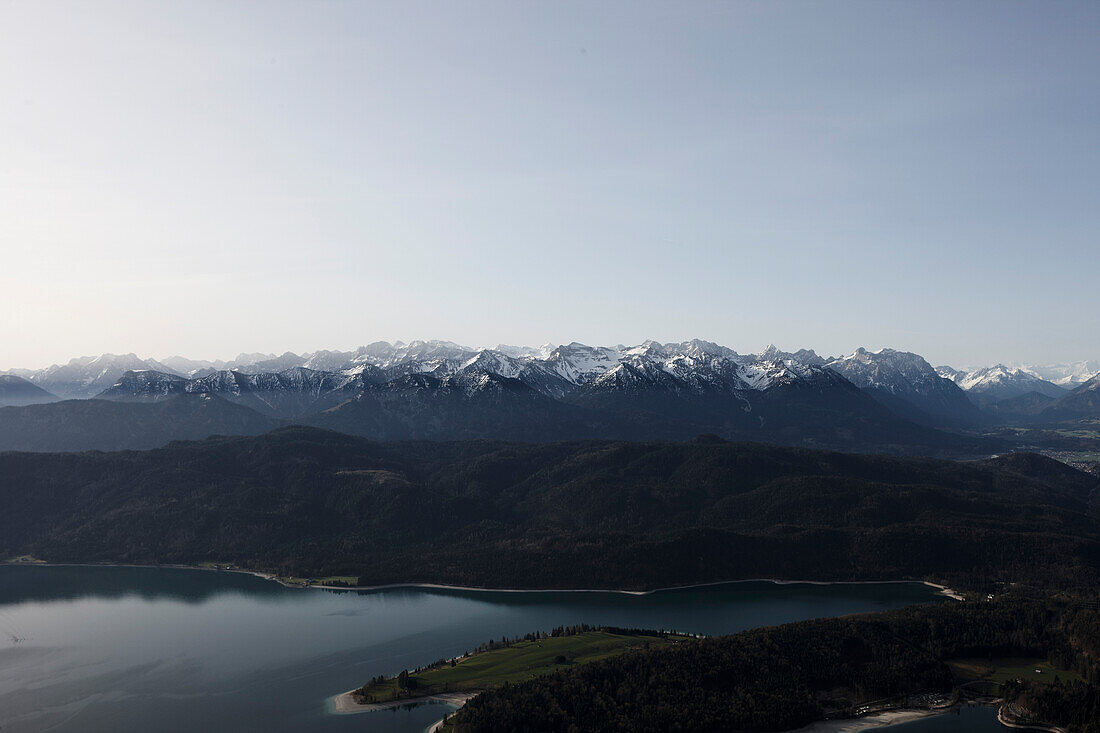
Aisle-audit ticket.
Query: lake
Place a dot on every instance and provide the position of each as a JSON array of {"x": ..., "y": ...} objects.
[{"x": 121, "y": 648}]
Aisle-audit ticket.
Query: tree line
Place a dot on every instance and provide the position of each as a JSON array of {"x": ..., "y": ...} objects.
[{"x": 785, "y": 677}]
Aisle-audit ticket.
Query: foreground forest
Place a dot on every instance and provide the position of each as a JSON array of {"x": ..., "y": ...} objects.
[
  {"x": 784, "y": 677},
  {"x": 309, "y": 502}
]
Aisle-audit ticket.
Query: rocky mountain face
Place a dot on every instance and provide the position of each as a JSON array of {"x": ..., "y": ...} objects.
[
  {"x": 290, "y": 393},
  {"x": 1000, "y": 382},
  {"x": 909, "y": 386},
  {"x": 574, "y": 373},
  {"x": 1019, "y": 395},
  {"x": 472, "y": 403},
  {"x": 883, "y": 400},
  {"x": 440, "y": 390},
  {"x": 1082, "y": 403},
  {"x": 87, "y": 376},
  {"x": 556, "y": 372}
]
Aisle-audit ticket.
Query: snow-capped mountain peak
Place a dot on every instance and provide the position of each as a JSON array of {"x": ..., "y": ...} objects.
[
  {"x": 1000, "y": 382},
  {"x": 887, "y": 369},
  {"x": 291, "y": 383},
  {"x": 772, "y": 353}
]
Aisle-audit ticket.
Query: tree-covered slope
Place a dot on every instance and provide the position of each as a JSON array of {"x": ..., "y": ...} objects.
[
  {"x": 593, "y": 513},
  {"x": 784, "y": 677}
]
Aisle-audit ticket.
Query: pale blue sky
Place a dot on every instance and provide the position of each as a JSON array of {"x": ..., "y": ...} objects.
[{"x": 210, "y": 178}]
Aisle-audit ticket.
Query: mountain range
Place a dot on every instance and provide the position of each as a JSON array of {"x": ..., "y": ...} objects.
[{"x": 439, "y": 390}]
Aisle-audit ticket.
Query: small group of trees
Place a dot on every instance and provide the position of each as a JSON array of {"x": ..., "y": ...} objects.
[{"x": 405, "y": 681}]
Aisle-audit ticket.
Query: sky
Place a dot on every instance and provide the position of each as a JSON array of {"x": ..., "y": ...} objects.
[{"x": 209, "y": 178}]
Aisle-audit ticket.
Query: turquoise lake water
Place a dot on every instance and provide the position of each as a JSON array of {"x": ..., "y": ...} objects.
[{"x": 107, "y": 649}]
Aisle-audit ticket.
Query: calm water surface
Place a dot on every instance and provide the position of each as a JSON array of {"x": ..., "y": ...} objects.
[{"x": 110, "y": 649}]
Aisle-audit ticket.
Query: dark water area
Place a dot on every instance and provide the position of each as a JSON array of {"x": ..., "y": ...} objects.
[{"x": 118, "y": 648}]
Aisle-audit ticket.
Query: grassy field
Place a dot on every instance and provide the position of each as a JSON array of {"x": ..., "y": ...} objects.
[
  {"x": 519, "y": 661},
  {"x": 989, "y": 674}
]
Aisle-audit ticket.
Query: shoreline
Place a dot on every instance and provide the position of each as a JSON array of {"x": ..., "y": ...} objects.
[
  {"x": 1005, "y": 721},
  {"x": 943, "y": 590},
  {"x": 872, "y": 720},
  {"x": 345, "y": 704}
]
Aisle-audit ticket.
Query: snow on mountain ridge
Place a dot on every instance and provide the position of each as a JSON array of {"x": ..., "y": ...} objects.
[
  {"x": 988, "y": 377},
  {"x": 1067, "y": 375},
  {"x": 1002, "y": 382},
  {"x": 88, "y": 375},
  {"x": 554, "y": 370},
  {"x": 897, "y": 372},
  {"x": 696, "y": 366}
]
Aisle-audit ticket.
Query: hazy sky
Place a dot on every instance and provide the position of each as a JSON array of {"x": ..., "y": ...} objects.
[{"x": 210, "y": 178}]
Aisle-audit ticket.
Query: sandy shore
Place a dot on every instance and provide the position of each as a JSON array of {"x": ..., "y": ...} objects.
[
  {"x": 1003, "y": 720},
  {"x": 875, "y": 720},
  {"x": 944, "y": 590},
  {"x": 345, "y": 704}
]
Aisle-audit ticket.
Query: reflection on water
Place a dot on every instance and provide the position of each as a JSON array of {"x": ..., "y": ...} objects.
[
  {"x": 105, "y": 649},
  {"x": 66, "y": 582}
]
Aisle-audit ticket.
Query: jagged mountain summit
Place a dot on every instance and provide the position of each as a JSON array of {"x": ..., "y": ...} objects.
[
  {"x": 1019, "y": 395},
  {"x": 442, "y": 390},
  {"x": 909, "y": 386},
  {"x": 87, "y": 376},
  {"x": 999, "y": 382},
  {"x": 692, "y": 367},
  {"x": 290, "y": 393}
]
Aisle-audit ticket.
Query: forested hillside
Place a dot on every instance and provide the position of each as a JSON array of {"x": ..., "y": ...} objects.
[
  {"x": 784, "y": 677},
  {"x": 596, "y": 514}
]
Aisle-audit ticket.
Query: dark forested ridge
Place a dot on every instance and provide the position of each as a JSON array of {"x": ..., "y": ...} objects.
[
  {"x": 595, "y": 513},
  {"x": 79, "y": 425},
  {"x": 1074, "y": 706},
  {"x": 784, "y": 677}
]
